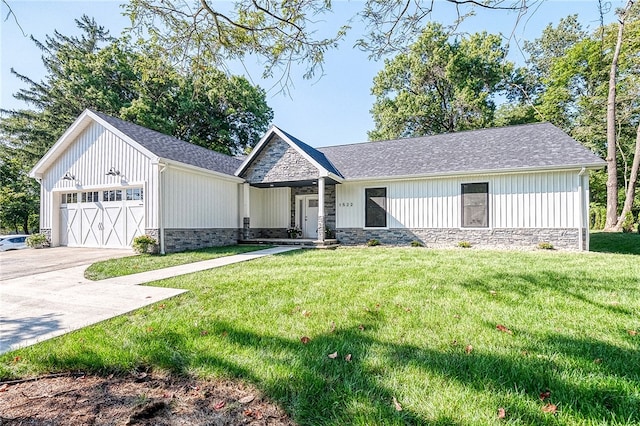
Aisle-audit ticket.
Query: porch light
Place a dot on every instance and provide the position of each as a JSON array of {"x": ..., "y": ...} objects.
[
  {"x": 68, "y": 176},
  {"x": 113, "y": 172}
]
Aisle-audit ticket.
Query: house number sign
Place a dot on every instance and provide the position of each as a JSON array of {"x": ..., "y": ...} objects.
[{"x": 345, "y": 204}]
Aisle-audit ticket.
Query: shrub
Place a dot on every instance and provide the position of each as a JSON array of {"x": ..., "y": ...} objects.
[
  {"x": 628, "y": 223},
  {"x": 37, "y": 241},
  {"x": 145, "y": 244},
  {"x": 545, "y": 245},
  {"x": 464, "y": 244},
  {"x": 373, "y": 242},
  {"x": 416, "y": 243}
]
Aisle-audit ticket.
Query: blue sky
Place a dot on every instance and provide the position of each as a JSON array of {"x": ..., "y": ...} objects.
[{"x": 332, "y": 109}]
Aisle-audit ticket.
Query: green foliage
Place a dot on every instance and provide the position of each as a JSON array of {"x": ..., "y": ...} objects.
[
  {"x": 37, "y": 240},
  {"x": 19, "y": 194},
  {"x": 145, "y": 244},
  {"x": 407, "y": 317},
  {"x": 373, "y": 242},
  {"x": 597, "y": 216},
  {"x": 441, "y": 84},
  {"x": 629, "y": 223},
  {"x": 464, "y": 244},
  {"x": 416, "y": 243},
  {"x": 545, "y": 245}
]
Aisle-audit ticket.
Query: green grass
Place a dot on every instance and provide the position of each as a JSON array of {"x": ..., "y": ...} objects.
[
  {"x": 616, "y": 242},
  {"x": 406, "y": 316},
  {"x": 148, "y": 262}
]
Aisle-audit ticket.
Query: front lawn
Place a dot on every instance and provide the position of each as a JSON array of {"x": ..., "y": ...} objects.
[
  {"x": 147, "y": 262},
  {"x": 395, "y": 336}
]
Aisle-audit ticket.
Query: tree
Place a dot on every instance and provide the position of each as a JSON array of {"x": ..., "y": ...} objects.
[
  {"x": 95, "y": 70},
  {"x": 284, "y": 33},
  {"x": 441, "y": 84}
]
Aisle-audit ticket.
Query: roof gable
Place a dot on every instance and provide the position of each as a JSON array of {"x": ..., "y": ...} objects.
[
  {"x": 316, "y": 158},
  {"x": 523, "y": 147},
  {"x": 153, "y": 144}
]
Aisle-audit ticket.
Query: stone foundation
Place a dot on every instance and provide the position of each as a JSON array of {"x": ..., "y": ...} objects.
[
  {"x": 257, "y": 233},
  {"x": 564, "y": 238},
  {"x": 195, "y": 238},
  {"x": 47, "y": 232}
]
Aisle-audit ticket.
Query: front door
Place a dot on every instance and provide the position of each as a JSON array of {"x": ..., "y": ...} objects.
[{"x": 307, "y": 215}]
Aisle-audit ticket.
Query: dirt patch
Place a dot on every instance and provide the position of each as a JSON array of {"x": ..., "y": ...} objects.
[{"x": 135, "y": 400}]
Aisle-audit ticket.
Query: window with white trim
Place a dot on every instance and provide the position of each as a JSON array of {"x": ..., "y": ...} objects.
[
  {"x": 375, "y": 213},
  {"x": 134, "y": 194},
  {"x": 112, "y": 195},
  {"x": 475, "y": 205},
  {"x": 90, "y": 197},
  {"x": 69, "y": 198}
]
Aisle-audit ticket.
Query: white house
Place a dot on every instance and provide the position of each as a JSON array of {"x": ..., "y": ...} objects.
[{"x": 106, "y": 181}]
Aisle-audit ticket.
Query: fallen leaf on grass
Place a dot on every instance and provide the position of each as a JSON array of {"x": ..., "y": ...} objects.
[
  {"x": 161, "y": 306},
  {"x": 306, "y": 313},
  {"x": 361, "y": 327},
  {"x": 504, "y": 329},
  {"x": 17, "y": 359},
  {"x": 468, "y": 349},
  {"x": 333, "y": 326},
  {"x": 333, "y": 355},
  {"x": 632, "y": 332},
  {"x": 219, "y": 405},
  {"x": 4, "y": 387},
  {"x": 501, "y": 413},
  {"x": 550, "y": 408},
  {"x": 493, "y": 292},
  {"x": 305, "y": 340},
  {"x": 397, "y": 404},
  {"x": 247, "y": 399},
  {"x": 544, "y": 395},
  {"x": 347, "y": 358},
  {"x": 597, "y": 361},
  {"x": 204, "y": 332}
]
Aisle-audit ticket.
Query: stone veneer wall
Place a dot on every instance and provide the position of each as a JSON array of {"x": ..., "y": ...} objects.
[
  {"x": 279, "y": 162},
  {"x": 195, "y": 238},
  {"x": 329, "y": 203},
  {"x": 257, "y": 233},
  {"x": 564, "y": 238},
  {"x": 46, "y": 232}
]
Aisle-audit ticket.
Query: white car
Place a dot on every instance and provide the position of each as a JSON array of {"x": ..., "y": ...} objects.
[{"x": 13, "y": 242}]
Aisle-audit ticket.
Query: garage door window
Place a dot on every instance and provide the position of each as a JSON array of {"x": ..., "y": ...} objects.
[
  {"x": 70, "y": 198},
  {"x": 90, "y": 197},
  {"x": 113, "y": 195},
  {"x": 135, "y": 194}
]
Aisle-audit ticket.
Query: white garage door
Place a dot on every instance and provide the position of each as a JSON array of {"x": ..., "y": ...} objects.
[{"x": 108, "y": 218}]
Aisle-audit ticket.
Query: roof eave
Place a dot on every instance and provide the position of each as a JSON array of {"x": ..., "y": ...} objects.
[
  {"x": 221, "y": 175},
  {"x": 589, "y": 166}
]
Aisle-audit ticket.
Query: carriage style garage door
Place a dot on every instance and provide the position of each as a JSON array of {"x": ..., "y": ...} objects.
[{"x": 107, "y": 218}]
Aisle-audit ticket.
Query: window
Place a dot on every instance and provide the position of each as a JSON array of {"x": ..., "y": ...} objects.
[
  {"x": 134, "y": 194},
  {"x": 375, "y": 208},
  {"x": 475, "y": 205},
  {"x": 70, "y": 198},
  {"x": 90, "y": 197},
  {"x": 113, "y": 195}
]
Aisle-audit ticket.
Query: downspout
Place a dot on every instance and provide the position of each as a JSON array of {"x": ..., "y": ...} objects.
[
  {"x": 161, "y": 206},
  {"x": 581, "y": 209}
]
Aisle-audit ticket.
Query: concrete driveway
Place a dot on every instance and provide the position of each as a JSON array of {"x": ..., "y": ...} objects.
[{"x": 22, "y": 263}]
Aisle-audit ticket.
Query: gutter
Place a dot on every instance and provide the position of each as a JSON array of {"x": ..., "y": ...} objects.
[
  {"x": 581, "y": 209},
  {"x": 163, "y": 167}
]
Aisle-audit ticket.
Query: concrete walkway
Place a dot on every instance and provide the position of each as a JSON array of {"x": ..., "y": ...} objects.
[{"x": 42, "y": 306}]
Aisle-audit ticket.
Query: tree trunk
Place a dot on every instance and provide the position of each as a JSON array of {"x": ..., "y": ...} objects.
[
  {"x": 612, "y": 169},
  {"x": 631, "y": 188}
]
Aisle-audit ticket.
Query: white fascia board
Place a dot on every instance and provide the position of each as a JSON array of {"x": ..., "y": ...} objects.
[
  {"x": 333, "y": 176},
  {"x": 84, "y": 188},
  {"x": 196, "y": 169},
  {"x": 577, "y": 167}
]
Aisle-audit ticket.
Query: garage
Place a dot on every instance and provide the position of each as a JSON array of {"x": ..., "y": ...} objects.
[
  {"x": 107, "y": 181},
  {"x": 109, "y": 218}
]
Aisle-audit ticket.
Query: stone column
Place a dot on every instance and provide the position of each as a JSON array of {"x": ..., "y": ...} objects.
[
  {"x": 321, "y": 224},
  {"x": 246, "y": 219}
]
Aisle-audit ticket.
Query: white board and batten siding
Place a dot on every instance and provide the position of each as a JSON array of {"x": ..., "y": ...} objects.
[
  {"x": 518, "y": 200},
  {"x": 194, "y": 199},
  {"x": 270, "y": 207},
  {"x": 89, "y": 157}
]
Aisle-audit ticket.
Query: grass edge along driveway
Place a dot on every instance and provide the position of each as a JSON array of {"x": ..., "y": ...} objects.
[{"x": 420, "y": 336}]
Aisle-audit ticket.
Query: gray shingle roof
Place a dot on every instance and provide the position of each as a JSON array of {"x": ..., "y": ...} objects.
[
  {"x": 529, "y": 146},
  {"x": 171, "y": 148}
]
